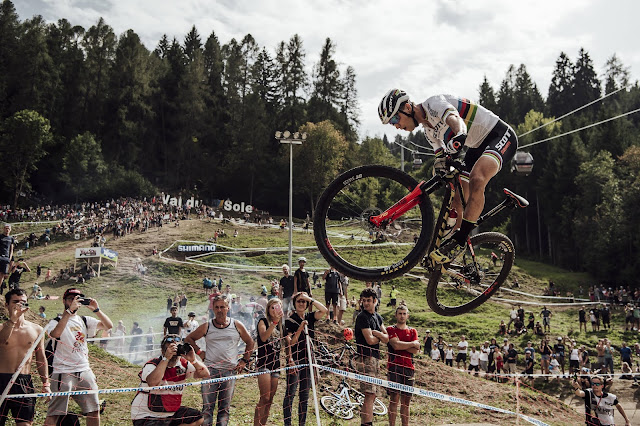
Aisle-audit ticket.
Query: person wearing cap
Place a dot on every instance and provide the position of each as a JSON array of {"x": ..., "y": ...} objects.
[
  {"x": 263, "y": 300},
  {"x": 190, "y": 325},
  {"x": 71, "y": 368},
  {"x": 448, "y": 355},
  {"x": 559, "y": 351},
  {"x": 164, "y": 406},
  {"x": 18, "y": 334},
  {"x": 301, "y": 279}
]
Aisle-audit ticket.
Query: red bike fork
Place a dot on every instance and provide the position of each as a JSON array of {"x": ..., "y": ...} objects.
[{"x": 405, "y": 204}]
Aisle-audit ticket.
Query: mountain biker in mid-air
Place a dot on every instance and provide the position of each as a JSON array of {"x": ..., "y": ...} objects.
[{"x": 450, "y": 123}]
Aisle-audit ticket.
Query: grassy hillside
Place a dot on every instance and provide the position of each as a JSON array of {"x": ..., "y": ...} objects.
[{"x": 126, "y": 295}]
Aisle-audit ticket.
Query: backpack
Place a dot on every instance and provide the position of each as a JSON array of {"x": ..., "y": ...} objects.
[{"x": 50, "y": 345}]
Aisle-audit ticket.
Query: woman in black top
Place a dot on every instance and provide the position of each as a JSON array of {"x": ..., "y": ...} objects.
[
  {"x": 299, "y": 375},
  {"x": 545, "y": 355},
  {"x": 269, "y": 343}
]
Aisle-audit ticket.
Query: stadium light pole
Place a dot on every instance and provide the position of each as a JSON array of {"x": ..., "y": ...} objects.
[{"x": 296, "y": 138}]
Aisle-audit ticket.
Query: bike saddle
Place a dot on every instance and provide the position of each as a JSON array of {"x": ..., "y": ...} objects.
[{"x": 521, "y": 201}]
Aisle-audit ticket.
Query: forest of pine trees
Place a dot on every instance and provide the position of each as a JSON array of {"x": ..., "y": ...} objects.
[{"x": 87, "y": 114}]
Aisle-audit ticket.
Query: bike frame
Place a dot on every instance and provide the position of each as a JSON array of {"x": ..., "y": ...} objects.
[
  {"x": 451, "y": 181},
  {"x": 344, "y": 397}
]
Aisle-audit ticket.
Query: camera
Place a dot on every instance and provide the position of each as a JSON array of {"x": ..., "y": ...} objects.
[
  {"x": 84, "y": 300},
  {"x": 183, "y": 349}
]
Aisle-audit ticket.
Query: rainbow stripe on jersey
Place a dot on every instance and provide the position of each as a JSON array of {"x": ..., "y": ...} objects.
[{"x": 467, "y": 111}]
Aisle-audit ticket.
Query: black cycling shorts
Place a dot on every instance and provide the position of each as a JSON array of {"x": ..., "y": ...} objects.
[{"x": 500, "y": 145}]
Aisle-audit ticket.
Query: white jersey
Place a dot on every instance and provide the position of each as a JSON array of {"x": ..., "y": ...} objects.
[
  {"x": 72, "y": 353},
  {"x": 474, "y": 358},
  {"x": 477, "y": 119},
  {"x": 435, "y": 354},
  {"x": 603, "y": 406}
]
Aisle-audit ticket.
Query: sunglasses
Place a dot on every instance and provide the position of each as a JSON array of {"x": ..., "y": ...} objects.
[
  {"x": 173, "y": 339},
  {"x": 301, "y": 301},
  {"x": 596, "y": 384},
  {"x": 395, "y": 119}
]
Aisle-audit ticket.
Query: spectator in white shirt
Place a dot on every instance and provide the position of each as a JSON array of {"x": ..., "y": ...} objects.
[
  {"x": 474, "y": 360},
  {"x": 435, "y": 353},
  {"x": 448, "y": 355},
  {"x": 462, "y": 352},
  {"x": 484, "y": 357}
]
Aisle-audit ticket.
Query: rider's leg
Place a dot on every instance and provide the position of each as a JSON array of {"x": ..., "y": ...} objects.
[{"x": 485, "y": 168}]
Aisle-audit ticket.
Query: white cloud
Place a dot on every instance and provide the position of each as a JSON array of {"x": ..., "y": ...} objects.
[{"x": 425, "y": 47}]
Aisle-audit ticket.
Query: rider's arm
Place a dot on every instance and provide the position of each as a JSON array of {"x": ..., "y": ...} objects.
[{"x": 456, "y": 124}]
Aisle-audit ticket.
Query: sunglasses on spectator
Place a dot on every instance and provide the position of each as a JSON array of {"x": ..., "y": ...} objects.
[
  {"x": 301, "y": 301},
  {"x": 596, "y": 384},
  {"x": 173, "y": 339}
]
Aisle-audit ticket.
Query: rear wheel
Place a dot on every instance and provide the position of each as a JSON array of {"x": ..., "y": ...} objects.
[
  {"x": 473, "y": 276},
  {"x": 336, "y": 407},
  {"x": 347, "y": 240}
]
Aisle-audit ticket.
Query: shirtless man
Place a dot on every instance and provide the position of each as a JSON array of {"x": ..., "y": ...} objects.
[{"x": 19, "y": 334}]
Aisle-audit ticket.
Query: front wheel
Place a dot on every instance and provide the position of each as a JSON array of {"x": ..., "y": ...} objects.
[
  {"x": 352, "y": 245},
  {"x": 336, "y": 407},
  {"x": 471, "y": 278}
]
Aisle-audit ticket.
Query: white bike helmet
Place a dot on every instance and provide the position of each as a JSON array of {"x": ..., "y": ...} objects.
[{"x": 390, "y": 104}]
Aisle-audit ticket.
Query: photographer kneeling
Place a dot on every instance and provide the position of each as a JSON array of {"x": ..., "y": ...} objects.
[{"x": 162, "y": 407}]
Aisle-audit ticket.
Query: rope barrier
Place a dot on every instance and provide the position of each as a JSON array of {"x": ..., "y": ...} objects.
[{"x": 423, "y": 392}]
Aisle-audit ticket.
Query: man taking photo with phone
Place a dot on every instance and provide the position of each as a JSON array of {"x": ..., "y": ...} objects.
[{"x": 71, "y": 369}]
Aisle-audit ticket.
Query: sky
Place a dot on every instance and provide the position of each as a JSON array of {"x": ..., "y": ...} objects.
[{"x": 424, "y": 47}]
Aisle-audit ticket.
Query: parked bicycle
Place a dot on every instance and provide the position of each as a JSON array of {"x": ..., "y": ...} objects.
[
  {"x": 345, "y": 399},
  {"x": 338, "y": 357},
  {"x": 361, "y": 236}
]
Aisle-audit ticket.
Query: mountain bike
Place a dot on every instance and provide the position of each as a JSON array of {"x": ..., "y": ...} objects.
[
  {"x": 338, "y": 357},
  {"x": 345, "y": 399},
  {"x": 374, "y": 223}
]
